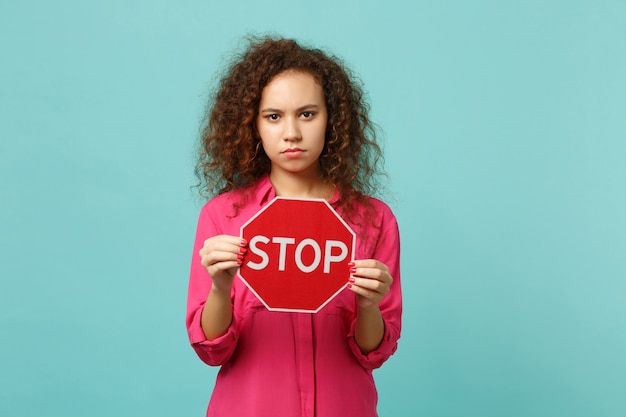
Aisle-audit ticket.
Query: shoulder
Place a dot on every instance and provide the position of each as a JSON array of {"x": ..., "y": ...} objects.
[
  {"x": 232, "y": 203},
  {"x": 221, "y": 203},
  {"x": 376, "y": 227},
  {"x": 375, "y": 211},
  {"x": 380, "y": 206},
  {"x": 371, "y": 217}
]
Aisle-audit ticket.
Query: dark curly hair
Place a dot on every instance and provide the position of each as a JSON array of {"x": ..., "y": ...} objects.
[{"x": 230, "y": 156}]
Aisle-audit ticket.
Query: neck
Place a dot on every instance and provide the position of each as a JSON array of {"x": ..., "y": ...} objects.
[{"x": 298, "y": 185}]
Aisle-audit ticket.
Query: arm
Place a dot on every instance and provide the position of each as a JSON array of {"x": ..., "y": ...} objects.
[
  {"x": 371, "y": 281},
  {"x": 209, "y": 300},
  {"x": 220, "y": 256},
  {"x": 217, "y": 314},
  {"x": 374, "y": 332}
]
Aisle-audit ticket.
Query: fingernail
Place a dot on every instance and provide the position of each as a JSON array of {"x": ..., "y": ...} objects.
[
  {"x": 239, "y": 261},
  {"x": 239, "y": 257},
  {"x": 351, "y": 264},
  {"x": 352, "y": 270},
  {"x": 243, "y": 250},
  {"x": 349, "y": 285},
  {"x": 244, "y": 242},
  {"x": 351, "y": 279}
]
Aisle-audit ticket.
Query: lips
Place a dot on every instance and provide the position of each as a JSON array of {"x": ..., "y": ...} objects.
[{"x": 293, "y": 150}]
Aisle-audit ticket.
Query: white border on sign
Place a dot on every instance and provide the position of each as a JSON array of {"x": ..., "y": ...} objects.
[{"x": 293, "y": 310}]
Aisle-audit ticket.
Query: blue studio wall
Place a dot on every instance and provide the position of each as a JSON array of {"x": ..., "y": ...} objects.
[{"x": 505, "y": 139}]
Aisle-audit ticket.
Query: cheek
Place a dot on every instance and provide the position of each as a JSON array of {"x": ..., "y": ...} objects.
[
  {"x": 320, "y": 131},
  {"x": 258, "y": 128},
  {"x": 268, "y": 130},
  {"x": 264, "y": 143},
  {"x": 262, "y": 133}
]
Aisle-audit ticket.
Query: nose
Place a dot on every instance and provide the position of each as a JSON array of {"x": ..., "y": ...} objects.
[{"x": 292, "y": 131}]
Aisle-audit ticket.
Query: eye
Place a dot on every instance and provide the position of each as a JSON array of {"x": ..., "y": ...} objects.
[
  {"x": 272, "y": 117},
  {"x": 307, "y": 114}
]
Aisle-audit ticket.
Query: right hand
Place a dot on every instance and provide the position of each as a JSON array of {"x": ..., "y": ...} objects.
[{"x": 221, "y": 256}]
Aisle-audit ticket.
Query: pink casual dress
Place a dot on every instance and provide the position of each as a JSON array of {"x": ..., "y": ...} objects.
[{"x": 283, "y": 364}]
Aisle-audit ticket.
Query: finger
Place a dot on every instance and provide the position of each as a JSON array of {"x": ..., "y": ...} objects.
[
  {"x": 209, "y": 257},
  {"x": 224, "y": 243},
  {"x": 235, "y": 240},
  {"x": 372, "y": 274},
  {"x": 368, "y": 284},
  {"x": 219, "y": 262},
  {"x": 229, "y": 267},
  {"x": 216, "y": 249},
  {"x": 372, "y": 296},
  {"x": 370, "y": 263},
  {"x": 213, "y": 257}
]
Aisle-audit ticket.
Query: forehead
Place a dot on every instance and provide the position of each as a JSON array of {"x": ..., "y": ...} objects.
[{"x": 293, "y": 86}]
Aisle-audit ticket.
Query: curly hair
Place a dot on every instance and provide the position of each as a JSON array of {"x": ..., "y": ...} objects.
[{"x": 230, "y": 155}]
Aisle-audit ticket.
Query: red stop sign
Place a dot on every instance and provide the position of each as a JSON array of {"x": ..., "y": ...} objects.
[{"x": 298, "y": 254}]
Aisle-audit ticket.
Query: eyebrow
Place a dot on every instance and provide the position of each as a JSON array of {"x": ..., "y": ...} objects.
[{"x": 299, "y": 109}]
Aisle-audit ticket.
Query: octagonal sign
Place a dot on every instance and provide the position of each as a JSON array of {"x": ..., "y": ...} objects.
[{"x": 298, "y": 254}]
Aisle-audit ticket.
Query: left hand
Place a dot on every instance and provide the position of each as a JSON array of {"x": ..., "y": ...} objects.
[{"x": 370, "y": 280}]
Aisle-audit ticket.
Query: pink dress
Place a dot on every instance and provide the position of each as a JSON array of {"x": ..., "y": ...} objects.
[{"x": 283, "y": 364}]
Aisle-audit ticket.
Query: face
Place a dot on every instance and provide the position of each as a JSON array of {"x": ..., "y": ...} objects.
[{"x": 292, "y": 123}]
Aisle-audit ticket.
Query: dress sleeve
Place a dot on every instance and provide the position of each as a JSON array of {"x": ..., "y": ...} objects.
[
  {"x": 387, "y": 251},
  {"x": 217, "y": 351}
]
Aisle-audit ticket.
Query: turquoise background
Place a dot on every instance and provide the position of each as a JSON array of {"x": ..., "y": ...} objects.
[{"x": 505, "y": 137}]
